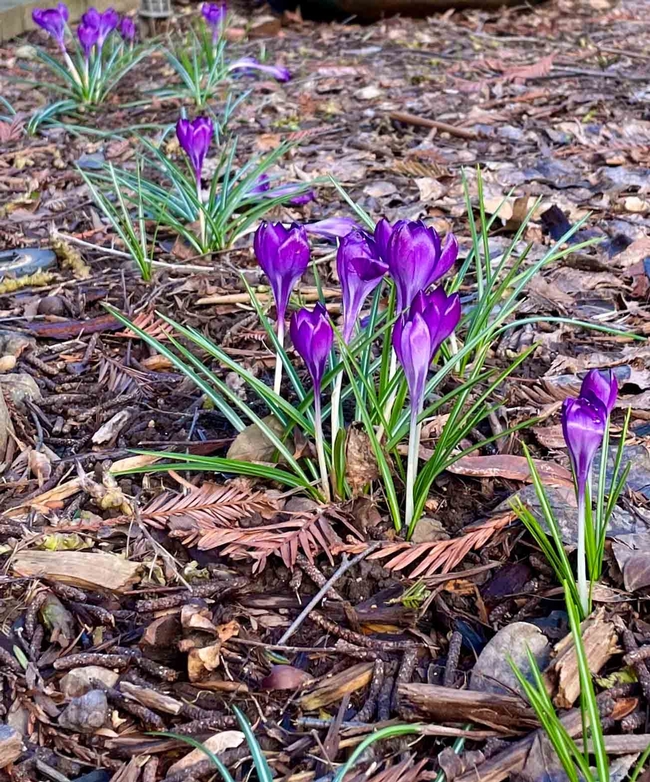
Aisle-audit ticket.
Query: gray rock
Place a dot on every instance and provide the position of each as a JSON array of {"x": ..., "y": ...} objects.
[
  {"x": 17, "y": 263},
  {"x": 85, "y": 714},
  {"x": 18, "y": 386},
  {"x": 79, "y": 681},
  {"x": 493, "y": 672}
]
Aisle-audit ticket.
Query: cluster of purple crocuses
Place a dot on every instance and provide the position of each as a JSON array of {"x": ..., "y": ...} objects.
[
  {"x": 414, "y": 257},
  {"x": 93, "y": 30},
  {"x": 584, "y": 422}
]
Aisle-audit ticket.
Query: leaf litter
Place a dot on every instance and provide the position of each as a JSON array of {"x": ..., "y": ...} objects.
[{"x": 163, "y": 596}]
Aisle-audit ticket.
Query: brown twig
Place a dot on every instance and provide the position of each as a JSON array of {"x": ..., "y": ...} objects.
[
  {"x": 453, "y": 656},
  {"x": 366, "y": 712},
  {"x": 356, "y": 638},
  {"x": 424, "y": 122},
  {"x": 404, "y": 674},
  {"x": 211, "y": 589}
]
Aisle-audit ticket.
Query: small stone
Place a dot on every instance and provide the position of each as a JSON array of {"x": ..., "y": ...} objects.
[
  {"x": 368, "y": 93},
  {"x": 85, "y": 714},
  {"x": 7, "y": 363},
  {"x": 493, "y": 672},
  {"x": 428, "y": 530},
  {"x": 11, "y": 745},
  {"x": 78, "y": 681},
  {"x": 18, "y": 387}
]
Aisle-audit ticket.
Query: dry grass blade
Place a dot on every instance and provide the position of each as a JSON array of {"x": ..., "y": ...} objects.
[
  {"x": 202, "y": 510},
  {"x": 309, "y": 534},
  {"x": 442, "y": 555},
  {"x": 406, "y": 770}
]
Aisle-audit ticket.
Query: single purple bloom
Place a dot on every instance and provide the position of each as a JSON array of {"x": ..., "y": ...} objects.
[
  {"x": 127, "y": 29},
  {"x": 419, "y": 332},
  {"x": 88, "y": 37},
  {"x": 53, "y": 21},
  {"x": 215, "y": 16},
  {"x": 194, "y": 138},
  {"x": 602, "y": 386},
  {"x": 333, "y": 227},
  {"x": 416, "y": 259},
  {"x": 263, "y": 188},
  {"x": 312, "y": 336},
  {"x": 279, "y": 72},
  {"x": 303, "y": 198},
  {"x": 283, "y": 253},
  {"x": 104, "y": 22},
  {"x": 360, "y": 270},
  {"x": 583, "y": 426},
  {"x": 262, "y": 185}
]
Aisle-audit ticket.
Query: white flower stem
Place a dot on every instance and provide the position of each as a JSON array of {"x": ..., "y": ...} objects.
[
  {"x": 583, "y": 588},
  {"x": 277, "y": 380},
  {"x": 70, "y": 65},
  {"x": 392, "y": 369},
  {"x": 201, "y": 215},
  {"x": 415, "y": 431},
  {"x": 336, "y": 407},
  {"x": 320, "y": 447}
]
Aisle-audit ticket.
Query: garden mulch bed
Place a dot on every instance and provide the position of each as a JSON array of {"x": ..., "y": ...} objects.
[{"x": 552, "y": 102}]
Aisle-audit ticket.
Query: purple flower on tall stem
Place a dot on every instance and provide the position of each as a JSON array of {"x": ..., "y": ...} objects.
[
  {"x": 279, "y": 72},
  {"x": 417, "y": 335},
  {"x": 215, "y": 17},
  {"x": 600, "y": 385},
  {"x": 283, "y": 253},
  {"x": 127, "y": 29},
  {"x": 263, "y": 188},
  {"x": 88, "y": 37},
  {"x": 383, "y": 232},
  {"x": 53, "y": 21},
  {"x": 194, "y": 138},
  {"x": 312, "y": 336},
  {"x": 583, "y": 425},
  {"x": 416, "y": 259}
]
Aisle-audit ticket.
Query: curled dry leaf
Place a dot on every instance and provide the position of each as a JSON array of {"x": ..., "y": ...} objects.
[
  {"x": 285, "y": 677},
  {"x": 360, "y": 462},
  {"x": 227, "y": 739},
  {"x": 512, "y": 468}
]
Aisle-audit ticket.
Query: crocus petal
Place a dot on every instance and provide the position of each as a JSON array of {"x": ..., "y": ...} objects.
[
  {"x": 279, "y": 72},
  {"x": 602, "y": 386},
  {"x": 412, "y": 343},
  {"x": 312, "y": 336},
  {"x": 194, "y": 138},
  {"x": 214, "y": 13},
  {"x": 53, "y": 21},
  {"x": 283, "y": 253},
  {"x": 333, "y": 227},
  {"x": 583, "y": 426},
  {"x": 127, "y": 29},
  {"x": 360, "y": 270},
  {"x": 88, "y": 37}
]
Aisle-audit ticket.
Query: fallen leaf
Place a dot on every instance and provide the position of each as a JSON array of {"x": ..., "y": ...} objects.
[
  {"x": 512, "y": 468},
  {"x": 227, "y": 739},
  {"x": 285, "y": 677},
  {"x": 86, "y": 570}
]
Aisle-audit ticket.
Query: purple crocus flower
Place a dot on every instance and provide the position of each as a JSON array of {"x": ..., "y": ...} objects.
[
  {"x": 418, "y": 334},
  {"x": 194, "y": 138},
  {"x": 279, "y": 72},
  {"x": 215, "y": 17},
  {"x": 104, "y": 22},
  {"x": 600, "y": 386},
  {"x": 263, "y": 188},
  {"x": 53, "y": 21},
  {"x": 88, "y": 37},
  {"x": 416, "y": 259},
  {"x": 333, "y": 227},
  {"x": 283, "y": 253},
  {"x": 312, "y": 336},
  {"x": 583, "y": 426},
  {"x": 360, "y": 270},
  {"x": 127, "y": 29}
]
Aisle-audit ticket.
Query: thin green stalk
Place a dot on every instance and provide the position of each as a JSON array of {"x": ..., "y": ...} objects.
[
  {"x": 320, "y": 447},
  {"x": 412, "y": 466}
]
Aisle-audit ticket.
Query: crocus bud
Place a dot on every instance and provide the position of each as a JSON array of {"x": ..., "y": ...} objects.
[
  {"x": 360, "y": 270},
  {"x": 194, "y": 138},
  {"x": 283, "y": 253},
  {"x": 279, "y": 72},
  {"x": 312, "y": 336},
  {"x": 583, "y": 426},
  {"x": 104, "y": 22},
  {"x": 602, "y": 386},
  {"x": 88, "y": 37},
  {"x": 416, "y": 259},
  {"x": 333, "y": 227},
  {"x": 53, "y": 21},
  {"x": 418, "y": 334},
  {"x": 215, "y": 16},
  {"x": 127, "y": 29}
]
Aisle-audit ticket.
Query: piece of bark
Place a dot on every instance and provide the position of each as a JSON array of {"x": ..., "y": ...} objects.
[
  {"x": 151, "y": 699},
  {"x": 11, "y": 745},
  {"x": 226, "y": 739},
  {"x": 331, "y": 690},
  {"x": 505, "y": 713},
  {"x": 599, "y": 638},
  {"x": 85, "y": 569}
]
